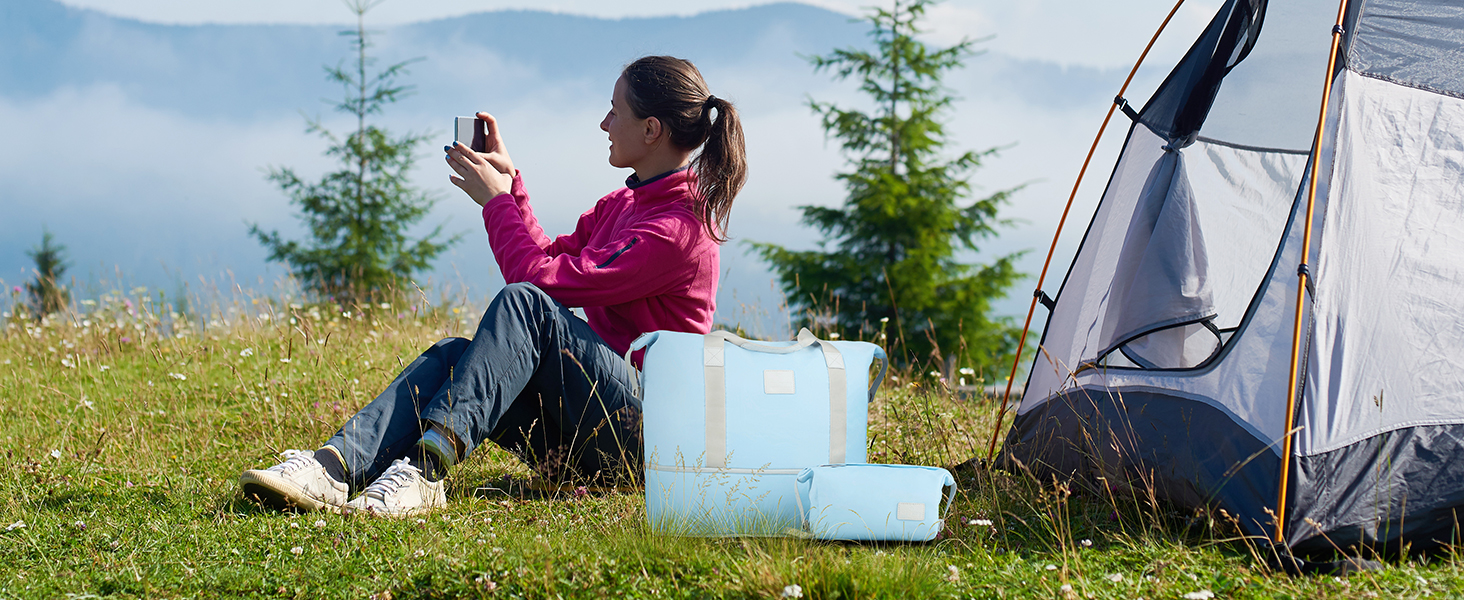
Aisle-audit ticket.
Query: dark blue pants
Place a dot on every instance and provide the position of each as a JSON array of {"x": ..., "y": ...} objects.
[{"x": 535, "y": 379}]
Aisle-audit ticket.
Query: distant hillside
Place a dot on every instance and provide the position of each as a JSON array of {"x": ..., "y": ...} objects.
[
  {"x": 252, "y": 70},
  {"x": 189, "y": 117}
]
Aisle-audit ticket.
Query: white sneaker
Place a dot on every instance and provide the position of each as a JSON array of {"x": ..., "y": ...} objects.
[
  {"x": 400, "y": 491},
  {"x": 299, "y": 483}
]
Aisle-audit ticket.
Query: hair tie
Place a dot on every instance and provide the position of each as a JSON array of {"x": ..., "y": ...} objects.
[{"x": 711, "y": 101}]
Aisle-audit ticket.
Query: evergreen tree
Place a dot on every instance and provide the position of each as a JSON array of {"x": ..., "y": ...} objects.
[
  {"x": 47, "y": 295},
  {"x": 889, "y": 251},
  {"x": 358, "y": 216}
]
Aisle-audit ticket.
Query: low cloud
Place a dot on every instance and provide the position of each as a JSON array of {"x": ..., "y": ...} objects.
[{"x": 164, "y": 194}]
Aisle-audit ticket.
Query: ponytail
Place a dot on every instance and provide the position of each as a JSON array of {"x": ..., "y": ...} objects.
[
  {"x": 721, "y": 168},
  {"x": 673, "y": 91}
]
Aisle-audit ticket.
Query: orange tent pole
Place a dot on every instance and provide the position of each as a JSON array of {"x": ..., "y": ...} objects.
[
  {"x": 1027, "y": 326},
  {"x": 1302, "y": 274}
]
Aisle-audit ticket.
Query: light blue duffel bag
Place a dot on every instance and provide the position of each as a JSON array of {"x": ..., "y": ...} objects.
[
  {"x": 896, "y": 503},
  {"x": 729, "y": 423}
]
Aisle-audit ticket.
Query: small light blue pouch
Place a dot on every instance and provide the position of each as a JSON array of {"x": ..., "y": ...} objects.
[{"x": 873, "y": 502}]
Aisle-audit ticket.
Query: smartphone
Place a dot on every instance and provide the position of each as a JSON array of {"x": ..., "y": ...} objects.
[{"x": 472, "y": 132}]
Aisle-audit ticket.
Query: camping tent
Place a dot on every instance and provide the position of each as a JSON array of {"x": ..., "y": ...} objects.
[{"x": 1167, "y": 357}]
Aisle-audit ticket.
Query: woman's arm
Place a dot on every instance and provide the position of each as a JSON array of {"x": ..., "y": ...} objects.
[
  {"x": 646, "y": 260},
  {"x": 480, "y": 175},
  {"x": 526, "y": 213}
]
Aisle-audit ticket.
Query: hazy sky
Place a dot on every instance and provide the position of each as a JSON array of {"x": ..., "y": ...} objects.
[
  {"x": 1040, "y": 95},
  {"x": 1069, "y": 32}
]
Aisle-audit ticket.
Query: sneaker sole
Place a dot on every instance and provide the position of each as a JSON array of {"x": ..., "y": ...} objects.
[
  {"x": 358, "y": 509},
  {"x": 273, "y": 491}
]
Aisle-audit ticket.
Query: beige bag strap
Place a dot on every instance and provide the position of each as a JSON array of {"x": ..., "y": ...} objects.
[{"x": 715, "y": 374}]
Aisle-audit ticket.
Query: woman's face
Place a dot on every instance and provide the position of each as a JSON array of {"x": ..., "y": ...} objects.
[{"x": 627, "y": 133}]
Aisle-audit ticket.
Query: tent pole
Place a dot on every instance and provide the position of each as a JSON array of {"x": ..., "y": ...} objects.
[
  {"x": 1302, "y": 274},
  {"x": 1032, "y": 308}
]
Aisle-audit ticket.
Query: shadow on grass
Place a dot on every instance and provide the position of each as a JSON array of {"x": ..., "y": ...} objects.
[{"x": 238, "y": 505}]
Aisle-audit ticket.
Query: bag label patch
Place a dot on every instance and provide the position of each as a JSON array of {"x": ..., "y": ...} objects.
[
  {"x": 777, "y": 382},
  {"x": 910, "y": 511}
]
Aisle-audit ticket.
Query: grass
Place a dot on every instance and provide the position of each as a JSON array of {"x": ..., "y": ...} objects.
[{"x": 126, "y": 425}]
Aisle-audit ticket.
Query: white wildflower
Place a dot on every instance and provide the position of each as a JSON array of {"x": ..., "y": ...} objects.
[
  {"x": 103, "y": 367},
  {"x": 320, "y": 524},
  {"x": 952, "y": 573},
  {"x": 980, "y": 522},
  {"x": 294, "y": 525},
  {"x": 793, "y": 591},
  {"x": 285, "y": 360},
  {"x": 1050, "y": 567},
  {"x": 16, "y": 525},
  {"x": 1200, "y": 595},
  {"x": 884, "y": 319},
  {"x": 246, "y": 353},
  {"x": 56, "y": 454},
  {"x": 297, "y": 551},
  {"x": 1115, "y": 578},
  {"x": 1086, "y": 543},
  {"x": 178, "y": 376}
]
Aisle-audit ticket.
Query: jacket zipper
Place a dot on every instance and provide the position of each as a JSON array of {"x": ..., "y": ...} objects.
[{"x": 617, "y": 254}]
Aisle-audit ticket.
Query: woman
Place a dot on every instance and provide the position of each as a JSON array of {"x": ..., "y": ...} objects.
[{"x": 535, "y": 378}]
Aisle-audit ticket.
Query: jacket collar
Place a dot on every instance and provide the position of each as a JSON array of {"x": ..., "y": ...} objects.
[{"x": 634, "y": 182}]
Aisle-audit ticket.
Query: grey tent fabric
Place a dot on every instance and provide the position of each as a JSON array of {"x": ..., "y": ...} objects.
[{"x": 1166, "y": 358}]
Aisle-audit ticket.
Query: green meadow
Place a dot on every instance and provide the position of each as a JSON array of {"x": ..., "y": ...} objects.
[{"x": 126, "y": 424}]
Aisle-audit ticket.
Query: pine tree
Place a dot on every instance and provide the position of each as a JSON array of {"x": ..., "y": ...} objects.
[
  {"x": 887, "y": 259},
  {"x": 47, "y": 295},
  {"x": 358, "y": 216}
]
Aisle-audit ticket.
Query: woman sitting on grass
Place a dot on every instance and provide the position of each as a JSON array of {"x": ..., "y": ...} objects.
[{"x": 536, "y": 379}]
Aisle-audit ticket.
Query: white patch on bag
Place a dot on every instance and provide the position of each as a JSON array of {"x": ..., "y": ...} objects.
[
  {"x": 777, "y": 382},
  {"x": 910, "y": 511}
]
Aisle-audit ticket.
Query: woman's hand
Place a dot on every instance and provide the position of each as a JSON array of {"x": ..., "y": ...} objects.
[{"x": 483, "y": 175}]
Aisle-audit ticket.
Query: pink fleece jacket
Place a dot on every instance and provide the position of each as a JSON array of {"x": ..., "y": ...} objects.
[{"x": 638, "y": 261}]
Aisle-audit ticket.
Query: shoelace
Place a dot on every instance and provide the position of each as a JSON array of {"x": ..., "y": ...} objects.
[
  {"x": 294, "y": 461},
  {"x": 397, "y": 476}
]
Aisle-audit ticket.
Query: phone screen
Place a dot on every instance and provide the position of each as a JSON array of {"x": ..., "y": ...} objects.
[{"x": 470, "y": 131}]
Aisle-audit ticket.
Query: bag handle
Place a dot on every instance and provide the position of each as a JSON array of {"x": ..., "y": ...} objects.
[
  {"x": 643, "y": 341},
  {"x": 805, "y": 339},
  {"x": 715, "y": 375},
  {"x": 950, "y": 493},
  {"x": 646, "y": 339},
  {"x": 801, "y": 485}
]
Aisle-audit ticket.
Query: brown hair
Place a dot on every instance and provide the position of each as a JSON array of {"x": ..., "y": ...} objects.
[{"x": 673, "y": 91}]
